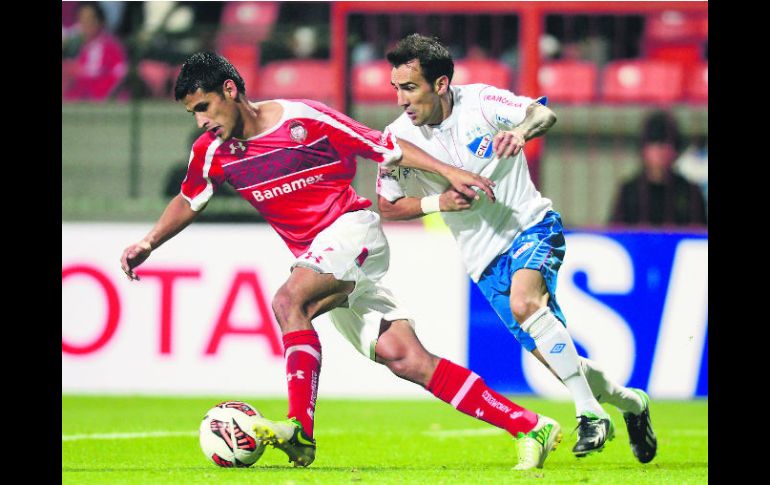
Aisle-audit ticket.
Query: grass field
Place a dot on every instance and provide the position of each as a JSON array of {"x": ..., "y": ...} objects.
[{"x": 145, "y": 440}]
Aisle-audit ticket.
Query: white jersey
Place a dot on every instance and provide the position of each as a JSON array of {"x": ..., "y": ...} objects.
[{"x": 464, "y": 140}]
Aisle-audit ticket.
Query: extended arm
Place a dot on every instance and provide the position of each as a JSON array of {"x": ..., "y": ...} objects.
[
  {"x": 536, "y": 122},
  {"x": 175, "y": 217},
  {"x": 412, "y": 207},
  {"x": 461, "y": 180}
]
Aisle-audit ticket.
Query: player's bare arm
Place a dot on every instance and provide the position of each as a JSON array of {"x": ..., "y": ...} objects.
[
  {"x": 407, "y": 208},
  {"x": 461, "y": 180},
  {"x": 177, "y": 215},
  {"x": 536, "y": 122}
]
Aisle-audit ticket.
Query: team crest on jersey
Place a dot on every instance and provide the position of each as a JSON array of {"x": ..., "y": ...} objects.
[
  {"x": 298, "y": 131},
  {"x": 481, "y": 146}
]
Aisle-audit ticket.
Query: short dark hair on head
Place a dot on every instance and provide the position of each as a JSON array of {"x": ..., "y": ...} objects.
[
  {"x": 98, "y": 10},
  {"x": 435, "y": 59},
  {"x": 661, "y": 127},
  {"x": 207, "y": 71}
]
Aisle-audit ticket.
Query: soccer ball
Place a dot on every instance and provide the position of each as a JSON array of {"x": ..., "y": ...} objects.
[{"x": 226, "y": 436}]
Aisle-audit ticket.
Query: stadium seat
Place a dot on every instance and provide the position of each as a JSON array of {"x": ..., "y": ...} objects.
[
  {"x": 371, "y": 83},
  {"x": 568, "y": 81},
  {"x": 673, "y": 26},
  {"x": 246, "y": 22},
  {"x": 313, "y": 79},
  {"x": 156, "y": 75},
  {"x": 697, "y": 83},
  {"x": 676, "y": 37},
  {"x": 245, "y": 58},
  {"x": 470, "y": 71},
  {"x": 642, "y": 81}
]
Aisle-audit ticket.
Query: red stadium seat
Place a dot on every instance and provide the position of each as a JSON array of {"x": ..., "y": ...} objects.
[
  {"x": 686, "y": 54},
  {"x": 568, "y": 81},
  {"x": 697, "y": 83},
  {"x": 674, "y": 26},
  {"x": 640, "y": 81},
  {"x": 155, "y": 75},
  {"x": 313, "y": 79},
  {"x": 470, "y": 71},
  {"x": 371, "y": 83},
  {"x": 246, "y": 22},
  {"x": 245, "y": 58}
]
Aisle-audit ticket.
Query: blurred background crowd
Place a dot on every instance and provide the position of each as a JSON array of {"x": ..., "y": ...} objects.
[{"x": 629, "y": 86}]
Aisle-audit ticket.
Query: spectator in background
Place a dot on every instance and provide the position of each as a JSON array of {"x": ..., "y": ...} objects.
[
  {"x": 113, "y": 14},
  {"x": 304, "y": 42},
  {"x": 693, "y": 164},
  {"x": 657, "y": 195},
  {"x": 101, "y": 60}
]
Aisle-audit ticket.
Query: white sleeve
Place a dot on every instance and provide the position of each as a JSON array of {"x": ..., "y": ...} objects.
[
  {"x": 502, "y": 108},
  {"x": 389, "y": 183}
]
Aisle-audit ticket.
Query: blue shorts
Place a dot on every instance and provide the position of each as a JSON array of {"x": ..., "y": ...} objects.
[{"x": 541, "y": 247}]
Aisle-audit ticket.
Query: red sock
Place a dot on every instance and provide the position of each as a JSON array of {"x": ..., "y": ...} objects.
[
  {"x": 302, "y": 351},
  {"x": 468, "y": 393}
]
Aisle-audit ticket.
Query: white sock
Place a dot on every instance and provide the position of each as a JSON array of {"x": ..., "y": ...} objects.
[
  {"x": 556, "y": 346},
  {"x": 608, "y": 391}
]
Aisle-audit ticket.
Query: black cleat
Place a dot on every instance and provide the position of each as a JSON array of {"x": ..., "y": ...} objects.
[
  {"x": 593, "y": 432},
  {"x": 644, "y": 444}
]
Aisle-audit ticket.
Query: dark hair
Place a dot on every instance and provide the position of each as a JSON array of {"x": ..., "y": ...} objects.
[
  {"x": 661, "y": 127},
  {"x": 435, "y": 59},
  {"x": 207, "y": 71},
  {"x": 98, "y": 10}
]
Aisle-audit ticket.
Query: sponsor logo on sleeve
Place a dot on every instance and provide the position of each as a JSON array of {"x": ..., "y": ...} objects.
[
  {"x": 502, "y": 120},
  {"x": 502, "y": 100}
]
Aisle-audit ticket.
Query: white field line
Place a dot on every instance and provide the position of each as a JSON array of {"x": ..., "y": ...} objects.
[
  {"x": 450, "y": 433},
  {"x": 126, "y": 436},
  {"x": 462, "y": 433}
]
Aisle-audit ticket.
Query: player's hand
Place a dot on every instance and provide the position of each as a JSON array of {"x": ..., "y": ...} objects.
[
  {"x": 133, "y": 256},
  {"x": 464, "y": 181},
  {"x": 507, "y": 143},
  {"x": 452, "y": 201}
]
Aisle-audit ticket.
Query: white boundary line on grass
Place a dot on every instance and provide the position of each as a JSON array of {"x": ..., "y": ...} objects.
[
  {"x": 126, "y": 436},
  {"x": 449, "y": 433}
]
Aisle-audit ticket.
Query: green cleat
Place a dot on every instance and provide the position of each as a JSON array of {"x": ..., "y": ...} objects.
[
  {"x": 644, "y": 444},
  {"x": 593, "y": 433},
  {"x": 287, "y": 436},
  {"x": 533, "y": 447}
]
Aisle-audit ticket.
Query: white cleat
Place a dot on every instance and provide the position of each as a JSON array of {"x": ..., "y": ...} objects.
[
  {"x": 533, "y": 447},
  {"x": 289, "y": 437}
]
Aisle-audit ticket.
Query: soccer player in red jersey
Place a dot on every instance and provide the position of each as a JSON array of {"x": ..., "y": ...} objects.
[{"x": 294, "y": 161}]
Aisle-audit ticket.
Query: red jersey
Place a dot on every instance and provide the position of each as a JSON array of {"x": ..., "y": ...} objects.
[
  {"x": 101, "y": 66},
  {"x": 297, "y": 174}
]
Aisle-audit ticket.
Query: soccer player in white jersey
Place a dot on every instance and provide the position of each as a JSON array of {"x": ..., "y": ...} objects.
[
  {"x": 294, "y": 160},
  {"x": 512, "y": 248}
]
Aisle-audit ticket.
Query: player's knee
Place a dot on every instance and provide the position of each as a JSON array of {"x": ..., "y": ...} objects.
[
  {"x": 414, "y": 366},
  {"x": 524, "y": 306},
  {"x": 286, "y": 308}
]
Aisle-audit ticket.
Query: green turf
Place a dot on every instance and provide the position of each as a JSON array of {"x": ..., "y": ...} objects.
[{"x": 366, "y": 441}]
